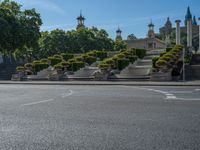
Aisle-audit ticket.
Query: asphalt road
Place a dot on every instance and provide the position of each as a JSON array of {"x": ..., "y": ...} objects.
[{"x": 47, "y": 117}]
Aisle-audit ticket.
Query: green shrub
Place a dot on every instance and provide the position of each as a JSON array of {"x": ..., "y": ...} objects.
[
  {"x": 101, "y": 55},
  {"x": 168, "y": 49},
  {"x": 104, "y": 66},
  {"x": 140, "y": 53},
  {"x": 90, "y": 59},
  {"x": 67, "y": 56},
  {"x": 77, "y": 65},
  {"x": 44, "y": 60},
  {"x": 57, "y": 56},
  {"x": 36, "y": 62},
  {"x": 154, "y": 60},
  {"x": 122, "y": 63},
  {"x": 79, "y": 58},
  {"x": 162, "y": 53},
  {"x": 166, "y": 58},
  {"x": 54, "y": 61},
  {"x": 28, "y": 65},
  {"x": 161, "y": 63},
  {"x": 120, "y": 55},
  {"x": 59, "y": 67},
  {"x": 40, "y": 66},
  {"x": 132, "y": 59},
  {"x": 65, "y": 64},
  {"x": 20, "y": 68}
]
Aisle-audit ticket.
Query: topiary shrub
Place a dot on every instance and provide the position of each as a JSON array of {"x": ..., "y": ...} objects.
[
  {"x": 103, "y": 66},
  {"x": 168, "y": 49},
  {"x": 154, "y": 60},
  {"x": 162, "y": 53},
  {"x": 101, "y": 55},
  {"x": 40, "y": 66},
  {"x": 140, "y": 53},
  {"x": 77, "y": 65},
  {"x": 161, "y": 63},
  {"x": 28, "y": 65},
  {"x": 58, "y": 67},
  {"x": 67, "y": 56},
  {"x": 65, "y": 64},
  {"x": 20, "y": 68},
  {"x": 90, "y": 59},
  {"x": 57, "y": 56},
  {"x": 132, "y": 59},
  {"x": 54, "y": 61},
  {"x": 122, "y": 63},
  {"x": 44, "y": 60}
]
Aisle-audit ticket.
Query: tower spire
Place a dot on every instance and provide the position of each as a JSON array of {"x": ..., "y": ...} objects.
[
  {"x": 80, "y": 20},
  {"x": 119, "y": 34}
]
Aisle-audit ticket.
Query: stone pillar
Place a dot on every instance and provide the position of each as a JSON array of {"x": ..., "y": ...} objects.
[
  {"x": 189, "y": 33},
  {"x": 199, "y": 34},
  {"x": 178, "y": 33}
]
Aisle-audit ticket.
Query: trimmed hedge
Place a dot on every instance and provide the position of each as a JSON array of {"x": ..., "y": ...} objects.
[
  {"x": 20, "y": 68},
  {"x": 67, "y": 56},
  {"x": 132, "y": 59},
  {"x": 54, "y": 61},
  {"x": 122, "y": 63},
  {"x": 160, "y": 63},
  {"x": 40, "y": 66},
  {"x": 77, "y": 65},
  {"x": 101, "y": 55},
  {"x": 90, "y": 59},
  {"x": 154, "y": 60}
]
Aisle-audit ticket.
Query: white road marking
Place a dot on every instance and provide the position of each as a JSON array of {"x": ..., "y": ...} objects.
[
  {"x": 197, "y": 89},
  {"x": 181, "y": 92},
  {"x": 39, "y": 102},
  {"x": 171, "y": 97},
  {"x": 188, "y": 99},
  {"x": 64, "y": 95}
]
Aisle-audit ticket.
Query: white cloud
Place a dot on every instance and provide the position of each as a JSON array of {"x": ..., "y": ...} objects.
[{"x": 42, "y": 4}]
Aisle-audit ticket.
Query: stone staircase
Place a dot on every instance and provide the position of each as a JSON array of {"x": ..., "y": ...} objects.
[
  {"x": 6, "y": 71},
  {"x": 193, "y": 70},
  {"x": 140, "y": 69}
]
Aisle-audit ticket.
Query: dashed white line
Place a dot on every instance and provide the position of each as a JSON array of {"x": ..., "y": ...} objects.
[{"x": 39, "y": 102}]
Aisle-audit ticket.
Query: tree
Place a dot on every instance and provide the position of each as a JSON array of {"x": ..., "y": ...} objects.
[
  {"x": 119, "y": 45},
  {"x": 132, "y": 37},
  {"x": 21, "y": 29}
]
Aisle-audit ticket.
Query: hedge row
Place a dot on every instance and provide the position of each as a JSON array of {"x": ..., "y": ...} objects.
[
  {"x": 122, "y": 59},
  {"x": 78, "y": 62},
  {"x": 64, "y": 60},
  {"x": 168, "y": 58}
]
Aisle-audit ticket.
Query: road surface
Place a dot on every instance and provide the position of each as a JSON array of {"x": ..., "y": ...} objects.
[{"x": 60, "y": 117}]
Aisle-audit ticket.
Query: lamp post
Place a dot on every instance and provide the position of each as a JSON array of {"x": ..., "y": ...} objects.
[{"x": 199, "y": 33}]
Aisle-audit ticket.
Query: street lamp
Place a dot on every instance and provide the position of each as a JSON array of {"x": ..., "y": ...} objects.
[{"x": 199, "y": 34}]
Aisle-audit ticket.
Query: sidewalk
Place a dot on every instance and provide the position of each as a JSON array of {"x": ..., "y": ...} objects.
[{"x": 129, "y": 83}]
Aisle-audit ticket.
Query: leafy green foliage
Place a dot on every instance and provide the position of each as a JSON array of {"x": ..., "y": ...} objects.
[
  {"x": 122, "y": 63},
  {"x": 20, "y": 29}
]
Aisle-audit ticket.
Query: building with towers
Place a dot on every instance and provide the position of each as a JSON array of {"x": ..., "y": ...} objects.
[
  {"x": 81, "y": 20},
  {"x": 190, "y": 20},
  {"x": 149, "y": 43}
]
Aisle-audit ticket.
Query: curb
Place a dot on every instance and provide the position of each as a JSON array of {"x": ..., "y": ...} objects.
[{"x": 102, "y": 83}]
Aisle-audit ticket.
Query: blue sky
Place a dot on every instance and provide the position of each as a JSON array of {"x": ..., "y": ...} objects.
[{"x": 132, "y": 16}]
